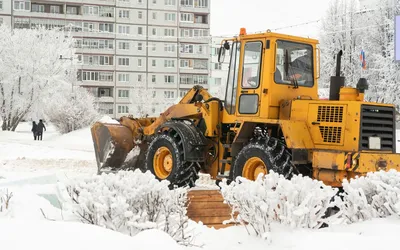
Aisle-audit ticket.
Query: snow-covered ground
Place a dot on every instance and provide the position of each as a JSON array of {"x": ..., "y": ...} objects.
[{"x": 32, "y": 170}]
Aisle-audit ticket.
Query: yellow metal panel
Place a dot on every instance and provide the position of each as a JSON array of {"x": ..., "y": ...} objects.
[
  {"x": 296, "y": 134},
  {"x": 329, "y": 160},
  {"x": 375, "y": 162}
]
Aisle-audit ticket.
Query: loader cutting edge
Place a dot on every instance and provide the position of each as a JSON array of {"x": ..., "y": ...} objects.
[{"x": 112, "y": 143}]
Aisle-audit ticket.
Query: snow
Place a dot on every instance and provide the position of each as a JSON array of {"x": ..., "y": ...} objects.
[
  {"x": 107, "y": 119},
  {"x": 34, "y": 170}
]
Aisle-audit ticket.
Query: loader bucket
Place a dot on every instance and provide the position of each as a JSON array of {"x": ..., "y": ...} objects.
[{"x": 112, "y": 143}]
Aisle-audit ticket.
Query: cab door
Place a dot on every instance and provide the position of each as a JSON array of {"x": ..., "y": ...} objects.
[{"x": 250, "y": 79}]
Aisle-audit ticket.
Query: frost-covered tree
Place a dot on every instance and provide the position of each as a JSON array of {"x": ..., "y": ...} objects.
[
  {"x": 143, "y": 99},
  {"x": 69, "y": 111},
  {"x": 339, "y": 32},
  {"x": 30, "y": 68}
]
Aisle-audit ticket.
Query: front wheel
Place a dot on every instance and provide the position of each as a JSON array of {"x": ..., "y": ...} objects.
[
  {"x": 261, "y": 156},
  {"x": 165, "y": 160}
]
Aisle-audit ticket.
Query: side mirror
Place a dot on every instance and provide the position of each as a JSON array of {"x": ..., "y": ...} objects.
[{"x": 221, "y": 54}]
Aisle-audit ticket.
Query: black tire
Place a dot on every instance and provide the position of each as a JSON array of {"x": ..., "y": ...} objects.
[
  {"x": 274, "y": 155},
  {"x": 182, "y": 173}
]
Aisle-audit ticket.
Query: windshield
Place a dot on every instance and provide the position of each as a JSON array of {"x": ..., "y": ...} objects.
[{"x": 300, "y": 64}]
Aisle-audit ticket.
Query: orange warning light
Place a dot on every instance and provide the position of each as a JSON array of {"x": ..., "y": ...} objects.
[{"x": 242, "y": 31}]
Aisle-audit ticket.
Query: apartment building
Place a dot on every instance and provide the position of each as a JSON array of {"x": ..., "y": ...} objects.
[
  {"x": 123, "y": 44},
  {"x": 219, "y": 71}
]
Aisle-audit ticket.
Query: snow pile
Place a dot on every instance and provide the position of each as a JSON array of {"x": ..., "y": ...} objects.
[
  {"x": 372, "y": 196},
  {"x": 205, "y": 182},
  {"x": 299, "y": 203},
  {"x": 129, "y": 202},
  {"x": 109, "y": 120}
]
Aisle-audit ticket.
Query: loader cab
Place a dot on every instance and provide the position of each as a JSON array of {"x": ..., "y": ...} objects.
[{"x": 265, "y": 69}]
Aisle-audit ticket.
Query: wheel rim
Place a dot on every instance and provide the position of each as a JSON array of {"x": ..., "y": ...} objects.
[
  {"x": 163, "y": 162},
  {"x": 253, "y": 167}
]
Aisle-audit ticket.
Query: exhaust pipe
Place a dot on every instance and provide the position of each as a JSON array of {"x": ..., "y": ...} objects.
[{"x": 337, "y": 81}]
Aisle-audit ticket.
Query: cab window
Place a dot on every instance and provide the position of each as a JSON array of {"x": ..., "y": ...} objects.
[
  {"x": 251, "y": 65},
  {"x": 300, "y": 64}
]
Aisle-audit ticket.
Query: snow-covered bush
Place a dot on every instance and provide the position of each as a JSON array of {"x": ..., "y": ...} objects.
[
  {"x": 5, "y": 197},
  {"x": 375, "y": 195},
  {"x": 299, "y": 202},
  {"x": 130, "y": 202},
  {"x": 69, "y": 111}
]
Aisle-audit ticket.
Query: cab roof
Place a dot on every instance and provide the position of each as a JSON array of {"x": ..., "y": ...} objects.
[{"x": 268, "y": 34}]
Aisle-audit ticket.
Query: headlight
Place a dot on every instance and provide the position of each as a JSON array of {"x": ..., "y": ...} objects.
[{"x": 374, "y": 143}]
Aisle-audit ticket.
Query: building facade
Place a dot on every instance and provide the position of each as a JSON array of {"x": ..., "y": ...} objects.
[{"x": 162, "y": 45}]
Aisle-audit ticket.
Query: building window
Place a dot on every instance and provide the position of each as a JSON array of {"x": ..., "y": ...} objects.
[
  {"x": 170, "y": 16},
  {"x": 154, "y": 93},
  {"x": 182, "y": 93},
  {"x": 123, "y": 29},
  {"x": 140, "y": 14},
  {"x": 169, "y": 79},
  {"x": 106, "y": 11},
  {"x": 35, "y": 7},
  {"x": 217, "y": 66},
  {"x": 139, "y": 62},
  {"x": 154, "y": 1},
  {"x": 169, "y": 63},
  {"x": 106, "y": 27},
  {"x": 123, "y": 77},
  {"x": 154, "y": 32},
  {"x": 123, "y": 93},
  {"x": 154, "y": 47},
  {"x": 123, "y": 45},
  {"x": 187, "y": 3},
  {"x": 186, "y": 63},
  {"x": 91, "y": 10},
  {"x": 139, "y": 78},
  {"x": 124, "y": 14},
  {"x": 186, "y": 48},
  {"x": 154, "y": 15},
  {"x": 140, "y": 1},
  {"x": 170, "y": 2},
  {"x": 153, "y": 78},
  {"x": 169, "y": 32},
  {"x": 124, "y": 61},
  {"x": 123, "y": 109},
  {"x": 169, "y": 94},
  {"x": 153, "y": 63},
  {"x": 140, "y": 30},
  {"x": 1, "y": 4},
  {"x": 187, "y": 17},
  {"x": 72, "y": 10},
  {"x": 201, "y": 3},
  {"x": 140, "y": 46},
  {"x": 104, "y": 92},
  {"x": 169, "y": 47},
  {"x": 22, "y": 5}
]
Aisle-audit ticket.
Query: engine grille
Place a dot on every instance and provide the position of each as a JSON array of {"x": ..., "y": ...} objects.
[
  {"x": 331, "y": 134},
  {"x": 330, "y": 114},
  {"x": 378, "y": 121}
]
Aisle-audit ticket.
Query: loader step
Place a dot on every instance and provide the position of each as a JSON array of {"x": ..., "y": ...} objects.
[
  {"x": 227, "y": 145},
  {"x": 228, "y": 161},
  {"x": 208, "y": 207}
]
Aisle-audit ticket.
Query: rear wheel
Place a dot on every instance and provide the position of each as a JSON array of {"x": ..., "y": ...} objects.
[
  {"x": 262, "y": 155},
  {"x": 165, "y": 160}
]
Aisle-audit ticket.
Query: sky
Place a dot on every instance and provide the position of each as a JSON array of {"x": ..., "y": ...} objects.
[{"x": 228, "y": 16}]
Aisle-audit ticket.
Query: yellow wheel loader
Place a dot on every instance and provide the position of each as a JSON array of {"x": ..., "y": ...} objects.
[{"x": 271, "y": 119}]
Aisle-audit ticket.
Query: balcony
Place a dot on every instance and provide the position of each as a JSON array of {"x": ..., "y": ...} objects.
[
  {"x": 94, "y": 34},
  {"x": 96, "y": 84},
  {"x": 94, "y": 51},
  {"x": 193, "y": 71},
  {"x": 194, "y": 25},
  {"x": 88, "y": 2},
  {"x": 193, "y": 56},
  {"x": 192, "y": 40},
  {"x": 105, "y": 99},
  {"x": 97, "y": 67},
  {"x": 193, "y": 9}
]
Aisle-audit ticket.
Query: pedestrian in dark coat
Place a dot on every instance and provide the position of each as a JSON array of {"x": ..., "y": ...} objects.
[
  {"x": 40, "y": 128},
  {"x": 34, "y": 130}
]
